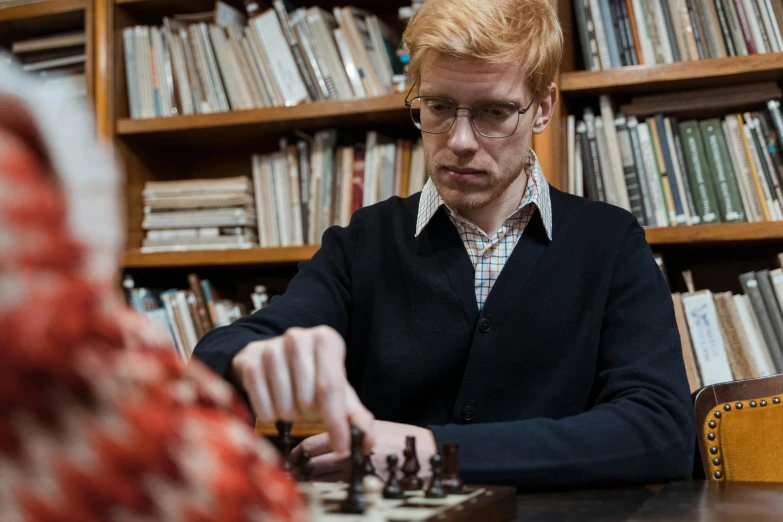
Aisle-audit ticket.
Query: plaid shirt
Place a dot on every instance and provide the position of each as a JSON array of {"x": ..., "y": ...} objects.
[{"x": 489, "y": 254}]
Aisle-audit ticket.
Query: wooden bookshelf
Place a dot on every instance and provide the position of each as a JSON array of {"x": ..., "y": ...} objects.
[
  {"x": 721, "y": 233},
  {"x": 36, "y": 10},
  {"x": 249, "y": 256},
  {"x": 237, "y": 127},
  {"x": 674, "y": 76}
]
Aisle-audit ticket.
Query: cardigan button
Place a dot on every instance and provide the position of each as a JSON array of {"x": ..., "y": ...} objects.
[
  {"x": 484, "y": 325},
  {"x": 467, "y": 413}
]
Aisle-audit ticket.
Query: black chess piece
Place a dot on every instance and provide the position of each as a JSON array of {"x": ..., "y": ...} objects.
[
  {"x": 392, "y": 489},
  {"x": 451, "y": 481},
  {"x": 410, "y": 468},
  {"x": 284, "y": 443},
  {"x": 304, "y": 467},
  {"x": 435, "y": 489},
  {"x": 355, "y": 501},
  {"x": 367, "y": 465}
]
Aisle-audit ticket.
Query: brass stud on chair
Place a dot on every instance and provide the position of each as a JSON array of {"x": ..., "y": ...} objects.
[
  {"x": 752, "y": 404},
  {"x": 763, "y": 403},
  {"x": 776, "y": 400},
  {"x": 717, "y": 415},
  {"x": 711, "y": 436},
  {"x": 738, "y": 405},
  {"x": 712, "y": 424},
  {"x": 714, "y": 450},
  {"x": 716, "y": 461},
  {"x": 727, "y": 407},
  {"x": 718, "y": 474}
]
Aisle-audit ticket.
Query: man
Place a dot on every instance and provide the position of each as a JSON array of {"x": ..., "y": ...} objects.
[{"x": 530, "y": 326}]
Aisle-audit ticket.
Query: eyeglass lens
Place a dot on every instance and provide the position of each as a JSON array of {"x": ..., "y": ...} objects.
[{"x": 489, "y": 118}]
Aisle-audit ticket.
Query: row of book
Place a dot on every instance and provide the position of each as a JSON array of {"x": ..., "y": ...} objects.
[
  {"x": 187, "y": 315},
  {"x": 58, "y": 60},
  {"x": 728, "y": 337},
  {"x": 294, "y": 195},
  {"x": 229, "y": 60},
  {"x": 617, "y": 33},
  {"x": 673, "y": 173}
]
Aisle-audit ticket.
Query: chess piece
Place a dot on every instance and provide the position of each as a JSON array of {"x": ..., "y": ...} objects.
[
  {"x": 451, "y": 481},
  {"x": 304, "y": 467},
  {"x": 355, "y": 501},
  {"x": 284, "y": 443},
  {"x": 392, "y": 488},
  {"x": 372, "y": 494},
  {"x": 410, "y": 468},
  {"x": 435, "y": 489},
  {"x": 367, "y": 465},
  {"x": 260, "y": 298}
]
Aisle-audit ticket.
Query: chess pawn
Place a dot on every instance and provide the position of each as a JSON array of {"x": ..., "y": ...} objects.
[
  {"x": 304, "y": 466},
  {"x": 284, "y": 443},
  {"x": 393, "y": 488},
  {"x": 367, "y": 466},
  {"x": 410, "y": 468},
  {"x": 435, "y": 489},
  {"x": 451, "y": 481}
]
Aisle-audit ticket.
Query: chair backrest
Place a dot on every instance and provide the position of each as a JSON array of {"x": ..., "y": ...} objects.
[{"x": 740, "y": 429}]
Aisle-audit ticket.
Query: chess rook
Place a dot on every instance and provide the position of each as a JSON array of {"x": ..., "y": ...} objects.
[
  {"x": 355, "y": 501},
  {"x": 451, "y": 481},
  {"x": 410, "y": 468}
]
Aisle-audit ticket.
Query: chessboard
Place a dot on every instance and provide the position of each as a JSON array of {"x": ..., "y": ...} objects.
[{"x": 484, "y": 503}]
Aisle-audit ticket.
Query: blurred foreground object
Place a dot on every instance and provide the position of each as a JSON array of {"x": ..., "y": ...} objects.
[{"x": 99, "y": 419}]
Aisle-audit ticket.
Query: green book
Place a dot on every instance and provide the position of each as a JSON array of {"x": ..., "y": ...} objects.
[
  {"x": 699, "y": 173},
  {"x": 723, "y": 177}
]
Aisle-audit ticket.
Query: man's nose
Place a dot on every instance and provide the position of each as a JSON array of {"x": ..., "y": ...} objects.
[{"x": 462, "y": 140}]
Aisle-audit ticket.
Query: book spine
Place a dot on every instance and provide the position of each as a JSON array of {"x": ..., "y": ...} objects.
[
  {"x": 653, "y": 175},
  {"x": 587, "y": 162},
  {"x": 734, "y": 27},
  {"x": 585, "y": 38},
  {"x": 707, "y": 339},
  {"x": 722, "y": 173},
  {"x": 750, "y": 286},
  {"x": 669, "y": 25},
  {"x": 638, "y": 158},
  {"x": 747, "y": 34},
  {"x": 766, "y": 160},
  {"x": 612, "y": 40},
  {"x": 695, "y": 218},
  {"x": 696, "y": 31},
  {"x": 679, "y": 207},
  {"x": 723, "y": 21},
  {"x": 629, "y": 169},
  {"x": 625, "y": 20},
  {"x": 704, "y": 195}
]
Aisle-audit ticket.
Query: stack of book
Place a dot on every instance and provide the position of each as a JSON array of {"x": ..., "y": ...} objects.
[
  {"x": 199, "y": 214},
  {"x": 186, "y": 315},
  {"x": 616, "y": 33},
  {"x": 228, "y": 60},
  {"x": 729, "y": 337},
  {"x": 673, "y": 171},
  {"x": 56, "y": 59},
  {"x": 307, "y": 186}
]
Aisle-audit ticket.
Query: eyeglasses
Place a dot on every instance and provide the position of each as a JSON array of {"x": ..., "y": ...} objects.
[{"x": 491, "y": 119}]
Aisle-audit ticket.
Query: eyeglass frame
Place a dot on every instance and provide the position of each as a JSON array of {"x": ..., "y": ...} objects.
[{"x": 457, "y": 108}]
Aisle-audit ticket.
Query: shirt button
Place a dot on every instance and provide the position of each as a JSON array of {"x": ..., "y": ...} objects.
[
  {"x": 467, "y": 413},
  {"x": 487, "y": 252},
  {"x": 484, "y": 325}
]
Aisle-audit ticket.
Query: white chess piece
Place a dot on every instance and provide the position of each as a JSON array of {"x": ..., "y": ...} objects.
[{"x": 373, "y": 496}]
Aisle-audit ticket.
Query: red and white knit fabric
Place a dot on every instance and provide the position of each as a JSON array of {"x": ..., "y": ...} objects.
[{"x": 99, "y": 420}]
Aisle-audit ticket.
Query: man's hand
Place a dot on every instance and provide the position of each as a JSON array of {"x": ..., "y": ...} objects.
[
  {"x": 389, "y": 437},
  {"x": 301, "y": 375}
]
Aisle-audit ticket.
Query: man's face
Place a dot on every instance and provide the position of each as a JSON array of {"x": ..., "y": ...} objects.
[{"x": 468, "y": 169}]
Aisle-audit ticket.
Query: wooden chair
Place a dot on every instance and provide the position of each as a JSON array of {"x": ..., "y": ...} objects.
[{"x": 739, "y": 430}]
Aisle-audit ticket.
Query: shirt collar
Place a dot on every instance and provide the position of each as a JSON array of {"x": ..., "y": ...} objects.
[{"x": 536, "y": 193}]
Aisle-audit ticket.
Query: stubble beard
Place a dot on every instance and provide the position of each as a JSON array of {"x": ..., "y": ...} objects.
[{"x": 463, "y": 197}]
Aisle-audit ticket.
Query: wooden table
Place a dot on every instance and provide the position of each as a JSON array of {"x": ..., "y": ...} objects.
[{"x": 676, "y": 502}]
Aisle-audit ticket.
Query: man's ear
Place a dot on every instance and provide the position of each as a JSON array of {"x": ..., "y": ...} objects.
[{"x": 546, "y": 109}]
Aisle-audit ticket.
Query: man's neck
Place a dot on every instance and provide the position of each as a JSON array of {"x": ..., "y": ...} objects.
[{"x": 491, "y": 217}]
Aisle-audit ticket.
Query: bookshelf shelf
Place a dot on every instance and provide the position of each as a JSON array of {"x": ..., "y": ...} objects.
[
  {"x": 38, "y": 9},
  {"x": 246, "y": 125},
  {"x": 250, "y": 256},
  {"x": 719, "y": 233},
  {"x": 680, "y": 75}
]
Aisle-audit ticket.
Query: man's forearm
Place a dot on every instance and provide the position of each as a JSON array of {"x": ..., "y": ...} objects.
[{"x": 612, "y": 444}]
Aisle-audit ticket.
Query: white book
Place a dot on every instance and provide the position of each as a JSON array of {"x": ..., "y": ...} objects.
[
  {"x": 322, "y": 24},
  {"x": 191, "y": 338},
  {"x": 281, "y": 62},
  {"x": 742, "y": 168},
  {"x": 615, "y": 159},
  {"x": 760, "y": 356},
  {"x": 706, "y": 336},
  {"x": 776, "y": 278},
  {"x": 648, "y": 53},
  {"x": 771, "y": 25},
  {"x": 131, "y": 76},
  {"x": 755, "y": 28},
  {"x": 351, "y": 68},
  {"x": 653, "y": 175}
]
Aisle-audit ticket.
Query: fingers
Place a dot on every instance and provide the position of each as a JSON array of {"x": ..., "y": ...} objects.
[
  {"x": 315, "y": 445},
  {"x": 249, "y": 369},
  {"x": 360, "y": 417},
  {"x": 300, "y": 353},
  {"x": 330, "y": 389},
  {"x": 330, "y": 463},
  {"x": 278, "y": 378}
]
